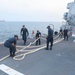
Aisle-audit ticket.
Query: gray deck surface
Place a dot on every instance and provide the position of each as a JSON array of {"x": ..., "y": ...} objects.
[{"x": 59, "y": 61}]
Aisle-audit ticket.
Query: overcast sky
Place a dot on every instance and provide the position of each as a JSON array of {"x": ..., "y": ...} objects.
[{"x": 33, "y": 10}]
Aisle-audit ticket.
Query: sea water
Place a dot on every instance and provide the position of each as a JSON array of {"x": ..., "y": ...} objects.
[{"x": 9, "y": 29}]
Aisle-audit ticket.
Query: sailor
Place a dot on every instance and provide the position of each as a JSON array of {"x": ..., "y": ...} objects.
[
  {"x": 11, "y": 44},
  {"x": 49, "y": 38},
  {"x": 33, "y": 33},
  {"x": 61, "y": 32},
  {"x": 38, "y": 34},
  {"x": 24, "y": 33},
  {"x": 66, "y": 33}
]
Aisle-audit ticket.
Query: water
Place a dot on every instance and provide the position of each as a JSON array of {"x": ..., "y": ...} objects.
[{"x": 9, "y": 29}]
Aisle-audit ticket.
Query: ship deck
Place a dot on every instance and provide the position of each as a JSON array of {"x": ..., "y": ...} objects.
[{"x": 58, "y": 61}]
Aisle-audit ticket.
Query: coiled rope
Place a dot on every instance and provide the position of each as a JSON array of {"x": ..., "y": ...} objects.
[{"x": 22, "y": 56}]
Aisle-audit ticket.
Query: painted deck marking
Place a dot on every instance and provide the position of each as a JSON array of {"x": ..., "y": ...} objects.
[{"x": 9, "y": 70}]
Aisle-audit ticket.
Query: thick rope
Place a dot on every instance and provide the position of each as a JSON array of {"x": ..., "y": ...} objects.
[
  {"x": 22, "y": 56},
  {"x": 33, "y": 43},
  {"x": 28, "y": 51},
  {"x": 19, "y": 50}
]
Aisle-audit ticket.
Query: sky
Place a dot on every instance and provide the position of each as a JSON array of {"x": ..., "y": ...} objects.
[{"x": 33, "y": 10}]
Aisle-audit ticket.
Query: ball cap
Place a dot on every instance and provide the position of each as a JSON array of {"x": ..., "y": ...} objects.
[
  {"x": 16, "y": 36},
  {"x": 48, "y": 26}
]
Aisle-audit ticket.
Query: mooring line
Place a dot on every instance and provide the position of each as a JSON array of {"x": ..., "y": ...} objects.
[
  {"x": 19, "y": 50},
  {"x": 24, "y": 51},
  {"x": 22, "y": 56},
  {"x": 31, "y": 44},
  {"x": 39, "y": 45}
]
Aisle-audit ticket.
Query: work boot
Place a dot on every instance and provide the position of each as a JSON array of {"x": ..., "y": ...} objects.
[
  {"x": 50, "y": 48},
  {"x": 46, "y": 49},
  {"x": 13, "y": 55},
  {"x": 10, "y": 55}
]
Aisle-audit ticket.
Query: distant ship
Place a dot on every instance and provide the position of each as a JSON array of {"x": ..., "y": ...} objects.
[{"x": 2, "y": 20}]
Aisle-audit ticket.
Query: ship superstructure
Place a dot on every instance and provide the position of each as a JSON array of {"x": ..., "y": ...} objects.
[{"x": 70, "y": 15}]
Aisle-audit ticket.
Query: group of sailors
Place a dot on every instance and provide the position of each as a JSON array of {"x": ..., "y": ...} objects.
[
  {"x": 64, "y": 33},
  {"x": 11, "y": 42}
]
